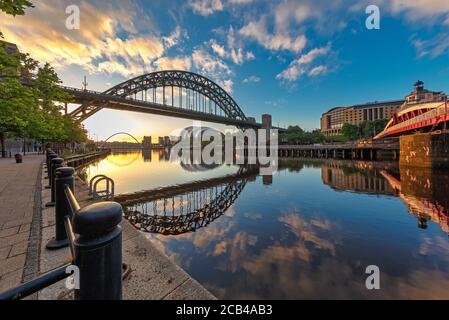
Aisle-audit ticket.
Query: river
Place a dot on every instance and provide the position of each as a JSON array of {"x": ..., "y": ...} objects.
[{"x": 307, "y": 232}]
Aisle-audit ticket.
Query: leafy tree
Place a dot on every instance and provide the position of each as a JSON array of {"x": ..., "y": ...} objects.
[
  {"x": 350, "y": 131},
  {"x": 15, "y": 7},
  {"x": 296, "y": 135},
  {"x": 18, "y": 103}
]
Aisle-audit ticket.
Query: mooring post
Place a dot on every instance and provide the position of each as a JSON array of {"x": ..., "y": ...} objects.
[
  {"x": 64, "y": 177},
  {"x": 98, "y": 251},
  {"x": 55, "y": 164}
]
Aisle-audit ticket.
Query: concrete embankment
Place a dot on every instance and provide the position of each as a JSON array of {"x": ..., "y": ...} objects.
[{"x": 152, "y": 275}]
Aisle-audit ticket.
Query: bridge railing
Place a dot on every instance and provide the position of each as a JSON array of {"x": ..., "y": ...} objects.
[
  {"x": 95, "y": 240},
  {"x": 438, "y": 112}
]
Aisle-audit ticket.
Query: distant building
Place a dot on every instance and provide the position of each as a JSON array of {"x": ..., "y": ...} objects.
[
  {"x": 147, "y": 142},
  {"x": 422, "y": 95},
  {"x": 332, "y": 121},
  {"x": 164, "y": 141}
]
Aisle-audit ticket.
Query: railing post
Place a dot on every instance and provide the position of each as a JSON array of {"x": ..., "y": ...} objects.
[
  {"x": 64, "y": 177},
  {"x": 98, "y": 251},
  {"x": 51, "y": 156},
  {"x": 47, "y": 160},
  {"x": 55, "y": 164}
]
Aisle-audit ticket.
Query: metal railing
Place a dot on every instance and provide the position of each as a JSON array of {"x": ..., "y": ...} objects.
[
  {"x": 437, "y": 113},
  {"x": 93, "y": 235},
  {"x": 106, "y": 194}
]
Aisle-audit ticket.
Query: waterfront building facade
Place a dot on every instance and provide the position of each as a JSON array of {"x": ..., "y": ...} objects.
[{"x": 332, "y": 121}]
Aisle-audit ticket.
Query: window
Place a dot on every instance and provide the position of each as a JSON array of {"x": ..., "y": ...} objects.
[
  {"x": 365, "y": 115},
  {"x": 376, "y": 114},
  {"x": 381, "y": 110}
]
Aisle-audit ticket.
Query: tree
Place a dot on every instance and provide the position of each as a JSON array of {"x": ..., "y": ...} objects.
[
  {"x": 18, "y": 103},
  {"x": 350, "y": 131},
  {"x": 296, "y": 135},
  {"x": 15, "y": 7}
]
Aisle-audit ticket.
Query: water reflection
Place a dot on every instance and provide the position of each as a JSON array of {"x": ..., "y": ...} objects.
[
  {"x": 184, "y": 208},
  {"x": 309, "y": 231}
]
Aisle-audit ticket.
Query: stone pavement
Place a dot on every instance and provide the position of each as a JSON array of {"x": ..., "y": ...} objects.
[{"x": 17, "y": 207}]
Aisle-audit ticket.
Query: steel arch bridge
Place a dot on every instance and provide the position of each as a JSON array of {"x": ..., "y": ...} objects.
[
  {"x": 174, "y": 93},
  {"x": 125, "y": 134}
]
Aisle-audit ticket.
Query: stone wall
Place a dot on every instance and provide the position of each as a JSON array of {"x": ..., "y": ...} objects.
[{"x": 425, "y": 150}]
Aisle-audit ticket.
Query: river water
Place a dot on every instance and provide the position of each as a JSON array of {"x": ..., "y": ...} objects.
[{"x": 307, "y": 232}]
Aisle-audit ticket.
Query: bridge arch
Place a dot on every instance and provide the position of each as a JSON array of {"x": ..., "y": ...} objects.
[
  {"x": 181, "y": 79},
  {"x": 123, "y": 133},
  {"x": 172, "y": 93}
]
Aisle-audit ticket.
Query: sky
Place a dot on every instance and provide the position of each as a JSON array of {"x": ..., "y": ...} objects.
[{"x": 292, "y": 59}]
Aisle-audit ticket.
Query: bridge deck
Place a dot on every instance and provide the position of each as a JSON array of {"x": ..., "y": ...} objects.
[{"x": 135, "y": 105}]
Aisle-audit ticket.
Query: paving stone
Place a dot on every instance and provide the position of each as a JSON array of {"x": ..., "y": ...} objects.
[
  {"x": 9, "y": 232},
  {"x": 12, "y": 264},
  {"x": 10, "y": 280},
  {"x": 18, "y": 249},
  {"x": 25, "y": 228}
]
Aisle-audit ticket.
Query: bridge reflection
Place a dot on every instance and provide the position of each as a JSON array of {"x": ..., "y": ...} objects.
[{"x": 185, "y": 208}]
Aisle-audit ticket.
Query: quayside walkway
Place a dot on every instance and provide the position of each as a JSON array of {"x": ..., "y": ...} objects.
[{"x": 19, "y": 200}]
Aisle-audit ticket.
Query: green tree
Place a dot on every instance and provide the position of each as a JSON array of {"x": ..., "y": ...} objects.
[
  {"x": 350, "y": 131},
  {"x": 18, "y": 103},
  {"x": 296, "y": 135}
]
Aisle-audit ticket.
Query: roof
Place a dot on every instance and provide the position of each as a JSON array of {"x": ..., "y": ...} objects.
[{"x": 370, "y": 105}]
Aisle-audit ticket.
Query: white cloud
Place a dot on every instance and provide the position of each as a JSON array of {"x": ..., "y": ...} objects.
[
  {"x": 227, "y": 85},
  {"x": 206, "y": 7},
  {"x": 218, "y": 49},
  {"x": 434, "y": 47},
  {"x": 209, "y": 65},
  {"x": 236, "y": 55},
  {"x": 302, "y": 65},
  {"x": 176, "y": 63},
  {"x": 257, "y": 30},
  {"x": 239, "y": 1},
  {"x": 318, "y": 71},
  {"x": 251, "y": 79}
]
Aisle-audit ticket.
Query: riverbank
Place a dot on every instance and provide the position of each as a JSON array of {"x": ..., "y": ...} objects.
[{"x": 151, "y": 276}]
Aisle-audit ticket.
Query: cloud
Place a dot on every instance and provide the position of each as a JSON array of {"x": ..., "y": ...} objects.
[
  {"x": 115, "y": 37},
  {"x": 234, "y": 50},
  {"x": 318, "y": 70},
  {"x": 434, "y": 47},
  {"x": 251, "y": 79},
  {"x": 218, "y": 49},
  {"x": 205, "y": 7},
  {"x": 302, "y": 65},
  {"x": 213, "y": 68},
  {"x": 227, "y": 85},
  {"x": 257, "y": 30},
  {"x": 175, "y": 63}
]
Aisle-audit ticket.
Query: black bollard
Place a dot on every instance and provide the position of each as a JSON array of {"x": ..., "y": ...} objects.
[
  {"x": 50, "y": 158},
  {"x": 98, "y": 251},
  {"x": 64, "y": 177},
  {"x": 48, "y": 152},
  {"x": 55, "y": 164}
]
